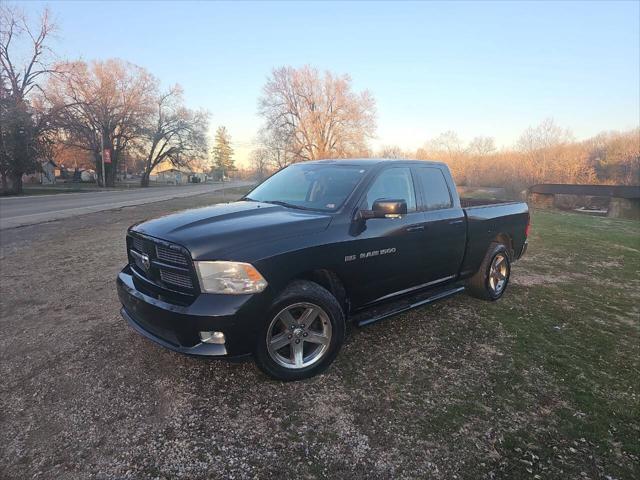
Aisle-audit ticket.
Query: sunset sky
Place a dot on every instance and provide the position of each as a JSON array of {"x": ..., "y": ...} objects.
[{"x": 477, "y": 68}]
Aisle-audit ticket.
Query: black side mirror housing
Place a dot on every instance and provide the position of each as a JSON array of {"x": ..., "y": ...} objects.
[{"x": 385, "y": 208}]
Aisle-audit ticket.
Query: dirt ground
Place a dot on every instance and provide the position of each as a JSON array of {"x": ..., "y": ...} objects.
[{"x": 537, "y": 385}]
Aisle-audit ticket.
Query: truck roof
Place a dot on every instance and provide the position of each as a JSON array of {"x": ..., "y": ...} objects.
[{"x": 372, "y": 161}]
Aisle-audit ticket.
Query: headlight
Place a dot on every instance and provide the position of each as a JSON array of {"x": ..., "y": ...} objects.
[{"x": 229, "y": 277}]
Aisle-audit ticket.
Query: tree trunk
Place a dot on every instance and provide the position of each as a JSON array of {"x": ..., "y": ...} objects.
[
  {"x": 5, "y": 186},
  {"x": 144, "y": 182},
  {"x": 110, "y": 172},
  {"x": 16, "y": 184},
  {"x": 98, "y": 162}
]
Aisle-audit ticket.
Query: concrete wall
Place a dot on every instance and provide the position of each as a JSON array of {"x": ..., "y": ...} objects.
[
  {"x": 541, "y": 200},
  {"x": 616, "y": 207},
  {"x": 570, "y": 202},
  {"x": 624, "y": 208}
]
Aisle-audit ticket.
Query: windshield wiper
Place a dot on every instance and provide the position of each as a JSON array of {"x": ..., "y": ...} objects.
[
  {"x": 248, "y": 199},
  {"x": 285, "y": 204}
]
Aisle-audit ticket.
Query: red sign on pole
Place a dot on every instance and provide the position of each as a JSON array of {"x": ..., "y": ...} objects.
[{"x": 106, "y": 154}]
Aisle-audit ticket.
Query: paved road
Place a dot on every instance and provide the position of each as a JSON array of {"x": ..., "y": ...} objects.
[{"x": 19, "y": 211}]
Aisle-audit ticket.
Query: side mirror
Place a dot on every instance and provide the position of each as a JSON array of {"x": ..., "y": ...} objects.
[{"x": 385, "y": 208}]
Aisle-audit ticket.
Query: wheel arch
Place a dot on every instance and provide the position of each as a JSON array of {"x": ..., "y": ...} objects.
[
  {"x": 329, "y": 280},
  {"x": 507, "y": 241}
]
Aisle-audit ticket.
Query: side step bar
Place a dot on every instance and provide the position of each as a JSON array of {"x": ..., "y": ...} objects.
[{"x": 362, "y": 319}]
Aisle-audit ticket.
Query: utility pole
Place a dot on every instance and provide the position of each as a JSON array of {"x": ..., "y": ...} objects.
[
  {"x": 223, "y": 199},
  {"x": 104, "y": 179}
]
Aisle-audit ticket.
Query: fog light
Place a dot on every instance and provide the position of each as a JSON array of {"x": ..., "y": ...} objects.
[{"x": 212, "y": 337}]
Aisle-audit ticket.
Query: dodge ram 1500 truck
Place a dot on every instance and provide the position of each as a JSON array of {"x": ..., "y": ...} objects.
[{"x": 319, "y": 245}]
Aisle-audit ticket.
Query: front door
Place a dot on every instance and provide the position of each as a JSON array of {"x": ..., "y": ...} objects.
[{"x": 382, "y": 257}]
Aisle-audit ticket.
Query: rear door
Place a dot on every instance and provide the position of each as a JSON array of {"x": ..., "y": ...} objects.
[
  {"x": 444, "y": 236},
  {"x": 382, "y": 257}
]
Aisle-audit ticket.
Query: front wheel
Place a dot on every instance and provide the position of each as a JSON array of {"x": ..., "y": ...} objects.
[
  {"x": 492, "y": 278},
  {"x": 302, "y": 334}
]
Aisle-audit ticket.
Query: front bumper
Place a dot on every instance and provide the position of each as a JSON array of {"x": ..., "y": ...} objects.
[{"x": 177, "y": 327}]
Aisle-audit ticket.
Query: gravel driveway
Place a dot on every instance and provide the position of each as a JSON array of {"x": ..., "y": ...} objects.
[{"x": 84, "y": 396}]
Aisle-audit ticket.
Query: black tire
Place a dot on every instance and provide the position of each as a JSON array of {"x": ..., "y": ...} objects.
[
  {"x": 301, "y": 292},
  {"x": 480, "y": 285}
]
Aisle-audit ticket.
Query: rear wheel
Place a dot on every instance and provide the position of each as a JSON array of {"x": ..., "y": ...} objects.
[
  {"x": 492, "y": 278},
  {"x": 302, "y": 334}
]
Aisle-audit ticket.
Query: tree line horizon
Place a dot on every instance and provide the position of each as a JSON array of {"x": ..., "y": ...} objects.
[{"x": 65, "y": 110}]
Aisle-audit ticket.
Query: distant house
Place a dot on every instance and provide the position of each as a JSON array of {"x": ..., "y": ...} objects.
[
  {"x": 48, "y": 174},
  {"x": 45, "y": 176},
  {"x": 173, "y": 176}
]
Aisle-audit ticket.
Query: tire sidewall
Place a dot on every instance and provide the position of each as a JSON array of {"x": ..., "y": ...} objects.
[
  {"x": 297, "y": 293},
  {"x": 498, "y": 249}
]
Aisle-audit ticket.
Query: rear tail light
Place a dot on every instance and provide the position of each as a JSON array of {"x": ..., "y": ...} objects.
[{"x": 527, "y": 229}]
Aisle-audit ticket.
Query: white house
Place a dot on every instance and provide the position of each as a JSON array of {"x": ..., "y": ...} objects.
[{"x": 173, "y": 176}]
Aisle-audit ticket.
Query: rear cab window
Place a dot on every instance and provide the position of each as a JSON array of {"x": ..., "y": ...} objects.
[{"x": 435, "y": 191}]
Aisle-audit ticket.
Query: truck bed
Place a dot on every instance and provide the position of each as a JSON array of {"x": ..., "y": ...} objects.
[{"x": 487, "y": 219}]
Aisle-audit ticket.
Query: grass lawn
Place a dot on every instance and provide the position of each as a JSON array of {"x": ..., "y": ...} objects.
[{"x": 563, "y": 388}]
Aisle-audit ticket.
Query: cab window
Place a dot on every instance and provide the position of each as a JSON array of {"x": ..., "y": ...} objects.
[
  {"x": 393, "y": 184},
  {"x": 434, "y": 188}
]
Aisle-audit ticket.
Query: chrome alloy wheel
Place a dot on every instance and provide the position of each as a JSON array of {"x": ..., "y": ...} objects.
[
  {"x": 299, "y": 335},
  {"x": 498, "y": 273}
]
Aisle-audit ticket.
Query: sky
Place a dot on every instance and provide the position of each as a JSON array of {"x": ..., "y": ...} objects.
[{"x": 477, "y": 68}]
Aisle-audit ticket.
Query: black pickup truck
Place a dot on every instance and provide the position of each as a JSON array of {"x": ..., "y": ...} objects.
[{"x": 319, "y": 245}]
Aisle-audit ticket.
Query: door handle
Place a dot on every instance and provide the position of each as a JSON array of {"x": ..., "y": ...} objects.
[
  {"x": 415, "y": 228},
  {"x": 455, "y": 222}
]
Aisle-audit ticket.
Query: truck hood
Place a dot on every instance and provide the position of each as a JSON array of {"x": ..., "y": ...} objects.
[{"x": 211, "y": 233}]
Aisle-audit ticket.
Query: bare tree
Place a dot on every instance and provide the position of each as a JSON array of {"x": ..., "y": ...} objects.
[
  {"x": 545, "y": 135},
  {"x": 391, "y": 151},
  {"x": 318, "y": 115},
  {"x": 447, "y": 147},
  {"x": 276, "y": 147},
  {"x": 538, "y": 144},
  {"x": 260, "y": 162},
  {"x": 615, "y": 156},
  {"x": 448, "y": 143},
  {"x": 176, "y": 134},
  {"x": 482, "y": 146},
  {"x": 24, "y": 120},
  {"x": 19, "y": 78},
  {"x": 109, "y": 104}
]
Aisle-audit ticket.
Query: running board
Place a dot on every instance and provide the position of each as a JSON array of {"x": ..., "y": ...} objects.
[{"x": 362, "y": 319}]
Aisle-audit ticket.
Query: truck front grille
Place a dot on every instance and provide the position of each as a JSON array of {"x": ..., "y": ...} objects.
[
  {"x": 166, "y": 265},
  {"x": 178, "y": 279},
  {"x": 169, "y": 255},
  {"x": 139, "y": 245}
]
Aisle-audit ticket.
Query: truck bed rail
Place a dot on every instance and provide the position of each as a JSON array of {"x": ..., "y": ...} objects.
[{"x": 483, "y": 202}]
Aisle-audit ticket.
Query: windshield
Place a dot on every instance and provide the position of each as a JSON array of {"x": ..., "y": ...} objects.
[{"x": 310, "y": 186}]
